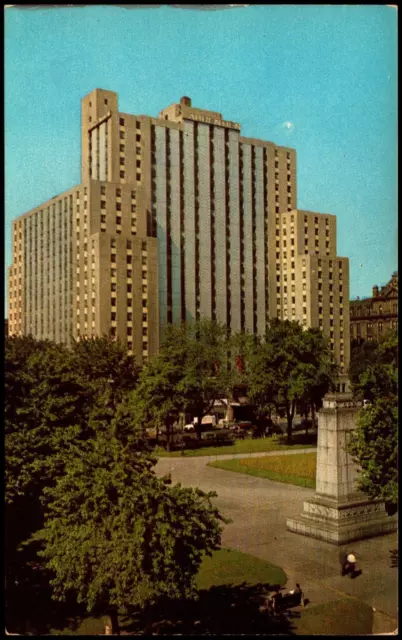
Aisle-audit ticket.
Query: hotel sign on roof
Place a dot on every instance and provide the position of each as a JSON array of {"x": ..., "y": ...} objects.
[{"x": 209, "y": 120}]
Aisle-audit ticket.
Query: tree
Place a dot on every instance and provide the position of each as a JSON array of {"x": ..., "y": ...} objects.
[
  {"x": 290, "y": 366},
  {"x": 42, "y": 414},
  {"x": 362, "y": 354},
  {"x": 55, "y": 397},
  {"x": 188, "y": 375},
  {"x": 374, "y": 443},
  {"x": 119, "y": 537},
  {"x": 156, "y": 401},
  {"x": 105, "y": 368}
]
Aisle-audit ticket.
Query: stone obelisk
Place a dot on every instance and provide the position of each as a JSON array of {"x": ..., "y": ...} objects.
[{"x": 339, "y": 513}]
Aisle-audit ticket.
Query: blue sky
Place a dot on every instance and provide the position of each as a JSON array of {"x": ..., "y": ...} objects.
[{"x": 319, "y": 78}]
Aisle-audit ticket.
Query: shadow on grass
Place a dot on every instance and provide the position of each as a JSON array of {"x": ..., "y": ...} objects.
[
  {"x": 225, "y": 609},
  {"x": 299, "y": 438},
  {"x": 33, "y": 612}
]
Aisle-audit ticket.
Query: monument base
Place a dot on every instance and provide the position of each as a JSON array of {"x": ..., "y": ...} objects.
[{"x": 341, "y": 522}]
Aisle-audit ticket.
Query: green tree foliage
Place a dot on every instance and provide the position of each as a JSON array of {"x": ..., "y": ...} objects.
[
  {"x": 362, "y": 354},
  {"x": 55, "y": 397},
  {"x": 374, "y": 444},
  {"x": 118, "y": 536},
  {"x": 290, "y": 366},
  {"x": 105, "y": 368},
  {"x": 190, "y": 372}
]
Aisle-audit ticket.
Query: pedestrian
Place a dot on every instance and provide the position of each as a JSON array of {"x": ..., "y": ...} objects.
[
  {"x": 351, "y": 560},
  {"x": 276, "y": 600},
  {"x": 299, "y": 594},
  {"x": 343, "y": 561}
]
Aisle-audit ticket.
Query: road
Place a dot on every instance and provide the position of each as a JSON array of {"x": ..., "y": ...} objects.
[{"x": 258, "y": 509}]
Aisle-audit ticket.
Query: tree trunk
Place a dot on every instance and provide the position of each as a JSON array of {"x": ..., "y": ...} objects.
[
  {"x": 313, "y": 415},
  {"x": 114, "y": 622},
  {"x": 198, "y": 428},
  {"x": 289, "y": 418}
]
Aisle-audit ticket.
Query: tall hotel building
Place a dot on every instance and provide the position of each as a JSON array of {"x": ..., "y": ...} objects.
[{"x": 176, "y": 218}]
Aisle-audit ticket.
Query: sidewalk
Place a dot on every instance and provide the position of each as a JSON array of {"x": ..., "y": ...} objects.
[{"x": 258, "y": 509}]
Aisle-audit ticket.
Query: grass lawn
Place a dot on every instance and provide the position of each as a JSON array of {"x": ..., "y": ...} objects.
[
  {"x": 224, "y": 567},
  {"x": 273, "y": 443},
  {"x": 228, "y": 566},
  {"x": 298, "y": 468},
  {"x": 346, "y": 617}
]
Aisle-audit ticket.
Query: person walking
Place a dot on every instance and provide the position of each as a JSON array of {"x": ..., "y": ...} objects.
[{"x": 351, "y": 560}]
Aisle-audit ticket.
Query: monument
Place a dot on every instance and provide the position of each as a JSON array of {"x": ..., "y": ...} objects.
[{"x": 339, "y": 513}]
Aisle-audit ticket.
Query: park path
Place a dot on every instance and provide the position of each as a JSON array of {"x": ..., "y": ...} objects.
[
  {"x": 258, "y": 509},
  {"x": 256, "y": 454}
]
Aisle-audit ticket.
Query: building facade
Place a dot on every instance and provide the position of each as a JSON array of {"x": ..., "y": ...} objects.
[
  {"x": 176, "y": 218},
  {"x": 371, "y": 318}
]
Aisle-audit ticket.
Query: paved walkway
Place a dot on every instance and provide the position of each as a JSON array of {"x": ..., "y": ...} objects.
[{"x": 259, "y": 508}]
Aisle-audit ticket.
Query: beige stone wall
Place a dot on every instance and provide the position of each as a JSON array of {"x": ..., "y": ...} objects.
[
  {"x": 312, "y": 284},
  {"x": 336, "y": 472}
]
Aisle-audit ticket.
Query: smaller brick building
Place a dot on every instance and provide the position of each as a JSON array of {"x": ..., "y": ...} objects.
[{"x": 371, "y": 318}]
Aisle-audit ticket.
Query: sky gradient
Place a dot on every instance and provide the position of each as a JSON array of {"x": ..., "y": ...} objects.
[{"x": 321, "y": 79}]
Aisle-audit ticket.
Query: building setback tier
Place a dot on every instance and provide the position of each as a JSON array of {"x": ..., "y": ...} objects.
[{"x": 176, "y": 218}]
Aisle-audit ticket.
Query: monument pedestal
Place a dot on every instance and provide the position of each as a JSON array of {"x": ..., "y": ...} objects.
[
  {"x": 338, "y": 513},
  {"x": 327, "y": 519}
]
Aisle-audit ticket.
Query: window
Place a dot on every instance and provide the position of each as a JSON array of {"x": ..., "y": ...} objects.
[
  {"x": 138, "y": 164},
  {"x": 103, "y": 190},
  {"x": 105, "y": 100},
  {"x": 103, "y": 204},
  {"x": 129, "y": 317},
  {"x": 138, "y": 125},
  {"x": 118, "y": 206},
  {"x": 113, "y": 273},
  {"x": 121, "y": 121},
  {"x": 122, "y": 148},
  {"x": 138, "y": 137},
  {"x": 121, "y": 135},
  {"x": 129, "y": 273},
  {"x": 113, "y": 286},
  {"x": 138, "y": 177},
  {"x": 103, "y": 219},
  {"x": 138, "y": 150},
  {"x": 129, "y": 259},
  {"x": 122, "y": 174},
  {"x": 129, "y": 288},
  {"x": 122, "y": 161}
]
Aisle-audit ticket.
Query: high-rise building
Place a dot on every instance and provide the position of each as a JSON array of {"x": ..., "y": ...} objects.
[{"x": 176, "y": 218}]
